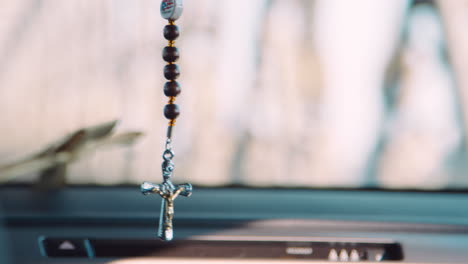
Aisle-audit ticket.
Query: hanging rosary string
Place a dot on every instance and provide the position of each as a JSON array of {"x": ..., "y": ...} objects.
[
  {"x": 172, "y": 88},
  {"x": 170, "y": 10}
]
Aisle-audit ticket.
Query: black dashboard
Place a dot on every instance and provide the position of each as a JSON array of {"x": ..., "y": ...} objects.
[{"x": 109, "y": 224}]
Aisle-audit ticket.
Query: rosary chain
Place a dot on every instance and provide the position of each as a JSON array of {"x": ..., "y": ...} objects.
[
  {"x": 170, "y": 10},
  {"x": 171, "y": 73},
  {"x": 170, "y": 54}
]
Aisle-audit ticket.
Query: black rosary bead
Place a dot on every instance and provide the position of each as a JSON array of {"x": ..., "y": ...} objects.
[
  {"x": 172, "y": 89},
  {"x": 170, "y": 54},
  {"x": 171, "y": 71},
  {"x": 171, "y": 32},
  {"x": 171, "y": 111}
]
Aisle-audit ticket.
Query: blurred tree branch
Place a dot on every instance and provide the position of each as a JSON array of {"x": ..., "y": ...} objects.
[{"x": 52, "y": 162}]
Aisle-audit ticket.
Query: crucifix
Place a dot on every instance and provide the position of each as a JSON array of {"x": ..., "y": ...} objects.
[
  {"x": 170, "y": 10},
  {"x": 169, "y": 192}
]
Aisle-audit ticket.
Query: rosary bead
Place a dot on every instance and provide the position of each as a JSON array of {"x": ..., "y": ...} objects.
[
  {"x": 171, "y": 32},
  {"x": 172, "y": 9},
  {"x": 171, "y": 111},
  {"x": 170, "y": 54},
  {"x": 171, "y": 71},
  {"x": 172, "y": 89}
]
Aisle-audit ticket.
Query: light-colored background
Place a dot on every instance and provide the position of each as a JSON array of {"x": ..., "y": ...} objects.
[{"x": 275, "y": 93}]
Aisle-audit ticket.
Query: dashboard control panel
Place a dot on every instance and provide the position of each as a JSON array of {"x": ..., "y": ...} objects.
[{"x": 313, "y": 250}]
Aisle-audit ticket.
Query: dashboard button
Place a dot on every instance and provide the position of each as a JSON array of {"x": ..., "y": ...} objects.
[
  {"x": 343, "y": 255},
  {"x": 69, "y": 248},
  {"x": 333, "y": 255},
  {"x": 354, "y": 256}
]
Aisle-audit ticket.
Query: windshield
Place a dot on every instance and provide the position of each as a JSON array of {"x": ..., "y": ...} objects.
[{"x": 276, "y": 93}]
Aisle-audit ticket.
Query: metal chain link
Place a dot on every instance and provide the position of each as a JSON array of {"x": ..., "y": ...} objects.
[{"x": 168, "y": 165}]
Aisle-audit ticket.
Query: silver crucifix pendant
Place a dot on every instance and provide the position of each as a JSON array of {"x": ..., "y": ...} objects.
[{"x": 169, "y": 192}]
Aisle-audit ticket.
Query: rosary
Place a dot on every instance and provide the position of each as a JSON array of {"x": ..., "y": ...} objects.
[{"x": 170, "y": 10}]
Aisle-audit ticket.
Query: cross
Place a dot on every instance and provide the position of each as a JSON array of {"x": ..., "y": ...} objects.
[{"x": 169, "y": 192}]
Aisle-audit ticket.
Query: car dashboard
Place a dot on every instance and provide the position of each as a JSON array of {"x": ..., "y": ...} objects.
[{"x": 118, "y": 225}]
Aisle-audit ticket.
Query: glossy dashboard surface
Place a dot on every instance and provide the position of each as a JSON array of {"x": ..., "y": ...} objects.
[{"x": 431, "y": 227}]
